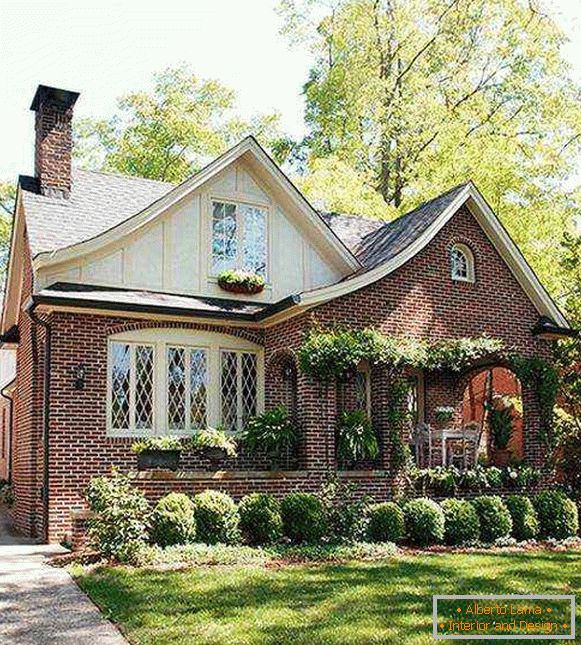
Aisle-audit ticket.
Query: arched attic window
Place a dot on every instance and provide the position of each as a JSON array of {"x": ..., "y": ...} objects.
[{"x": 462, "y": 263}]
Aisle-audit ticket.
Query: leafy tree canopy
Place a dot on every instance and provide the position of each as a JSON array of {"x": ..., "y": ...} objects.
[
  {"x": 415, "y": 96},
  {"x": 172, "y": 131}
]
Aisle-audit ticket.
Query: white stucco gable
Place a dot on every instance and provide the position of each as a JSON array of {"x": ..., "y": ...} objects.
[{"x": 167, "y": 247}]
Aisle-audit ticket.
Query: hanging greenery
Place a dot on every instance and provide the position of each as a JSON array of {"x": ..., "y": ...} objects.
[
  {"x": 543, "y": 378},
  {"x": 331, "y": 353}
]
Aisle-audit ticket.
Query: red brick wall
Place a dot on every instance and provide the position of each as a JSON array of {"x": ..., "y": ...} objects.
[
  {"x": 27, "y": 451},
  {"x": 419, "y": 299},
  {"x": 53, "y": 147}
]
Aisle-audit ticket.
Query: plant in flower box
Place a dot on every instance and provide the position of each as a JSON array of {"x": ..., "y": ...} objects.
[
  {"x": 241, "y": 281},
  {"x": 215, "y": 444},
  {"x": 444, "y": 414},
  {"x": 158, "y": 452},
  {"x": 272, "y": 432}
]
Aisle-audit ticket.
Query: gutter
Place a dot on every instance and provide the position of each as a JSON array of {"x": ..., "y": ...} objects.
[{"x": 46, "y": 416}]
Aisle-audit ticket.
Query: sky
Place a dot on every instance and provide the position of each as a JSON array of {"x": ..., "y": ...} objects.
[{"x": 104, "y": 49}]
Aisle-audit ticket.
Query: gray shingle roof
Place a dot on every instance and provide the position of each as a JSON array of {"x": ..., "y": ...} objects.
[
  {"x": 100, "y": 201},
  {"x": 112, "y": 298}
]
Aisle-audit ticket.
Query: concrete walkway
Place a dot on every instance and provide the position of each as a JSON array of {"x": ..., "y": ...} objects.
[{"x": 40, "y": 604}]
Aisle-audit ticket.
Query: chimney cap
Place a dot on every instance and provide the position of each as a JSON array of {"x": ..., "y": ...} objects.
[{"x": 43, "y": 92}]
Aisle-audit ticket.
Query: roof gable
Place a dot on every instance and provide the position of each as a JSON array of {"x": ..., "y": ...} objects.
[
  {"x": 113, "y": 223},
  {"x": 389, "y": 247}
]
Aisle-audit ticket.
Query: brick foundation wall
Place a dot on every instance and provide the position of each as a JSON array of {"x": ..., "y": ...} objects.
[{"x": 418, "y": 299}]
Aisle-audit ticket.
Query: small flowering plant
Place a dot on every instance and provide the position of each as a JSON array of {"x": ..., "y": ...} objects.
[
  {"x": 241, "y": 281},
  {"x": 215, "y": 438},
  {"x": 444, "y": 413}
]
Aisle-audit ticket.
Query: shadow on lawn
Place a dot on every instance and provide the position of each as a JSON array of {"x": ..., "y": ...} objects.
[{"x": 351, "y": 603}]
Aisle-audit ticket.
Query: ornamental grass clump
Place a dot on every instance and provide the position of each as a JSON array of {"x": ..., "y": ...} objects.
[
  {"x": 260, "y": 519},
  {"x": 216, "y": 518},
  {"x": 462, "y": 525},
  {"x": 525, "y": 522},
  {"x": 386, "y": 523},
  {"x": 424, "y": 521},
  {"x": 495, "y": 520},
  {"x": 172, "y": 520},
  {"x": 558, "y": 515}
]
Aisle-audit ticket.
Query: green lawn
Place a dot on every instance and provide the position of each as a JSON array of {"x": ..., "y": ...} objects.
[{"x": 377, "y": 602}]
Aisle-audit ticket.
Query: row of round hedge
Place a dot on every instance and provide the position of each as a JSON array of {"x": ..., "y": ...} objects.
[
  {"x": 550, "y": 514},
  {"x": 213, "y": 517}
]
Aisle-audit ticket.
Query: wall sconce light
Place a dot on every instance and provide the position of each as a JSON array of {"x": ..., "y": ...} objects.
[
  {"x": 287, "y": 372},
  {"x": 79, "y": 376}
]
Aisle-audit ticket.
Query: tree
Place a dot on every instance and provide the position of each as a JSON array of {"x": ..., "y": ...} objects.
[
  {"x": 7, "y": 197},
  {"x": 172, "y": 131},
  {"x": 416, "y": 96}
]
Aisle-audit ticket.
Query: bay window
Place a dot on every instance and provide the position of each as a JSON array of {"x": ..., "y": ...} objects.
[
  {"x": 239, "y": 237},
  {"x": 177, "y": 381}
]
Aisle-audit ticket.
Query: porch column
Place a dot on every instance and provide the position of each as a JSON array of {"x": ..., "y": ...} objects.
[
  {"x": 317, "y": 415},
  {"x": 380, "y": 412},
  {"x": 535, "y": 451}
]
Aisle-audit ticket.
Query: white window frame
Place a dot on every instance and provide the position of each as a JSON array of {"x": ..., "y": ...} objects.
[
  {"x": 160, "y": 338},
  {"x": 240, "y": 226},
  {"x": 469, "y": 256},
  {"x": 187, "y": 429},
  {"x": 132, "y": 430},
  {"x": 239, "y": 385}
]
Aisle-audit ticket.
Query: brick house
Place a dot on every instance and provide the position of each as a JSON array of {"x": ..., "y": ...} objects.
[{"x": 121, "y": 329}]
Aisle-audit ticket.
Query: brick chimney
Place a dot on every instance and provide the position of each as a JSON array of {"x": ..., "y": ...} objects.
[{"x": 54, "y": 139}]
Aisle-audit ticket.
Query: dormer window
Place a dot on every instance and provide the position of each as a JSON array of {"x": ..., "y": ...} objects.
[
  {"x": 462, "y": 263},
  {"x": 239, "y": 237}
]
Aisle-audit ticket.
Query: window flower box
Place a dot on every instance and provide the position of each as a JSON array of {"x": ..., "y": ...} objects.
[
  {"x": 238, "y": 281},
  {"x": 158, "y": 452},
  {"x": 215, "y": 444}
]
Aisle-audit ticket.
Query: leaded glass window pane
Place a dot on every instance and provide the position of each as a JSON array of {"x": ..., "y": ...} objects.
[
  {"x": 249, "y": 382},
  {"x": 224, "y": 237},
  {"x": 144, "y": 387},
  {"x": 198, "y": 388},
  {"x": 176, "y": 388},
  {"x": 254, "y": 239},
  {"x": 229, "y": 390},
  {"x": 120, "y": 386},
  {"x": 459, "y": 264},
  {"x": 361, "y": 390}
]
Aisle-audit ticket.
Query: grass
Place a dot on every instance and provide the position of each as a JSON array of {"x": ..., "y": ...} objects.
[{"x": 359, "y": 602}]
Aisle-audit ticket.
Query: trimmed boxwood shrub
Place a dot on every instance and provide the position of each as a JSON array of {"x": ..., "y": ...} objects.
[
  {"x": 172, "y": 520},
  {"x": 303, "y": 518},
  {"x": 495, "y": 520},
  {"x": 260, "y": 518},
  {"x": 525, "y": 522},
  {"x": 424, "y": 521},
  {"x": 386, "y": 522},
  {"x": 462, "y": 525},
  {"x": 558, "y": 516},
  {"x": 216, "y": 518}
]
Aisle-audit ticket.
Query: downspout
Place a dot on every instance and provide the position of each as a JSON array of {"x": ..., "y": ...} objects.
[
  {"x": 10, "y": 410},
  {"x": 46, "y": 416}
]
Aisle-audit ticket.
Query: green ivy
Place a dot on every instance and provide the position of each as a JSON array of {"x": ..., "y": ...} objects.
[
  {"x": 331, "y": 353},
  {"x": 539, "y": 375}
]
